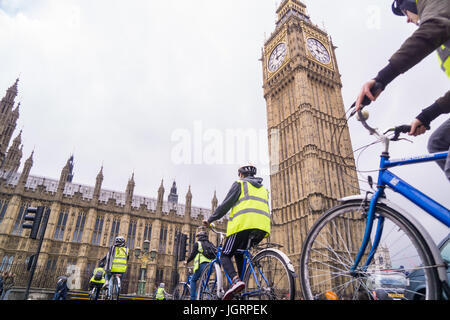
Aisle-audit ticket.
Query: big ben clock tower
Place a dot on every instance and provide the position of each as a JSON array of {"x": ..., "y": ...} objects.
[{"x": 311, "y": 157}]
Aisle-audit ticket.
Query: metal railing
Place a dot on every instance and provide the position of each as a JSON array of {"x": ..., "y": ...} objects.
[{"x": 45, "y": 278}]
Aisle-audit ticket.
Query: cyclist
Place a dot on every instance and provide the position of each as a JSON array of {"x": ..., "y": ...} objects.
[
  {"x": 249, "y": 218},
  {"x": 433, "y": 19},
  {"x": 116, "y": 261},
  {"x": 98, "y": 278},
  {"x": 200, "y": 261},
  {"x": 160, "y": 292}
]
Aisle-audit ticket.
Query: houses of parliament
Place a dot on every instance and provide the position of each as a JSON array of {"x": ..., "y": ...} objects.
[
  {"x": 84, "y": 220},
  {"x": 310, "y": 169}
]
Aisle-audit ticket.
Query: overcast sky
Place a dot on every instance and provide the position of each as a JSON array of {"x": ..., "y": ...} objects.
[{"x": 123, "y": 83}]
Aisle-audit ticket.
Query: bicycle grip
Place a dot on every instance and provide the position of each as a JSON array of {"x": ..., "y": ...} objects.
[
  {"x": 399, "y": 130},
  {"x": 376, "y": 89}
]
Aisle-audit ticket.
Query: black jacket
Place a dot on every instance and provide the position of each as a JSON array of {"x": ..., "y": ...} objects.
[
  {"x": 232, "y": 197},
  {"x": 434, "y": 31},
  {"x": 194, "y": 251}
]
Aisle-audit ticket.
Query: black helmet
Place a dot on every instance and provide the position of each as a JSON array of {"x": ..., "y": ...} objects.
[
  {"x": 247, "y": 170},
  {"x": 201, "y": 231},
  {"x": 398, "y": 6}
]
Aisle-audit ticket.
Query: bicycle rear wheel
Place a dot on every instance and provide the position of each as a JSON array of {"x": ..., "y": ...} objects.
[
  {"x": 271, "y": 278},
  {"x": 93, "y": 293},
  {"x": 333, "y": 242},
  {"x": 210, "y": 283}
]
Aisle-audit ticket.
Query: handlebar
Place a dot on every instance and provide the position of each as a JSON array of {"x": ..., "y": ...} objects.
[
  {"x": 362, "y": 117},
  {"x": 222, "y": 235}
]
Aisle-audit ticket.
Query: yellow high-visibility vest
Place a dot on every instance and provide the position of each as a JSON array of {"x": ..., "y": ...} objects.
[
  {"x": 200, "y": 258},
  {"x": 444, "y": 57},
  {"x": 119, "y": 263},
  {"x": 160, "y": 294},
  {"x": 251, "y": 210}
]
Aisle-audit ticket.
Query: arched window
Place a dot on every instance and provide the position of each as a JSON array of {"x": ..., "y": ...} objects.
[{"x": 7, "y": 262}]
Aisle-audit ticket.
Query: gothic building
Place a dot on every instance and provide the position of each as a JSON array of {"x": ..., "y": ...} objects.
[
  {"x": 311, "y": 156},
  {"x": 84, "y": 220}
]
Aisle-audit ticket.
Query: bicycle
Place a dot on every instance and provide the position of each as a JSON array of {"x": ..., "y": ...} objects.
[
  {"x": 182, "y": 290},
  {"x": 93, "y": 292},
  {"x": 269, "y": 274},
  {"x": 331, "y": 263},
  {"x": 114, "y": 293}
]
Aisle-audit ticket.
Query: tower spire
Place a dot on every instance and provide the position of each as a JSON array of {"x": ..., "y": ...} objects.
[
  {"x": 14, "y": 155},
  {"x": 98, "y": 184},
  {"x": 130, "y": 190},
  {"x": 173, "y": 196},
  {"x": 26, "y": 171}
]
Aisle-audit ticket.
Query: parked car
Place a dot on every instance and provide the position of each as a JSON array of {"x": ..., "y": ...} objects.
[
  {"x": 416, "y": 288},
  {"x": 387, "y": 286}
]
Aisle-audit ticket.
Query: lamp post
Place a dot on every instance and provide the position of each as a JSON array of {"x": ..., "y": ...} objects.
[{"x": 144, "y": 256}]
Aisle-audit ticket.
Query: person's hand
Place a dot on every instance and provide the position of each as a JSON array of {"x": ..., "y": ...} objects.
[
  {"x": 365, "y": 91},
  {"x": 417, "y": 128}
]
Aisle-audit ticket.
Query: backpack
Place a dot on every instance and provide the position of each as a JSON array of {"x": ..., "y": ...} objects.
[
  {"x": 209, "y": 250},
  {"x": 98, "y": 275}
]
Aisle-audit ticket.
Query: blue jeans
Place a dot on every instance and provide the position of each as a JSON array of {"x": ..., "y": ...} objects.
[
  {"x": 59, "y": 296},
  {"x": 194, "y": 279}
]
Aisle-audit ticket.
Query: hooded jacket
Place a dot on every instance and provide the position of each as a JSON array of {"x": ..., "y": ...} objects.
[
  {"x": 195, "y": 248},
  {"x": 232, "y": 197},
  {"x": 434, "y": 31}
]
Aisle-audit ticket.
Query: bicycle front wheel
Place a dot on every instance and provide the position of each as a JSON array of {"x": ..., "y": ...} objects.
[
  {"x": 210, "y": 283},
  {"x": 334, "y": 241},
  {"x": 269, "y": 279}
]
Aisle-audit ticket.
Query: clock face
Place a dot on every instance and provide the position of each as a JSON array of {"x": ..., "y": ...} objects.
[
  {"x": 319, "y": 52},
  {"x": 277, "y": 57}
]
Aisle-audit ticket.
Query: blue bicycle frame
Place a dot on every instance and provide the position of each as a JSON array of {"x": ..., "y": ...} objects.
[
  {"x": 387, "y": 178},
  {"x": 247, "y": 258}
]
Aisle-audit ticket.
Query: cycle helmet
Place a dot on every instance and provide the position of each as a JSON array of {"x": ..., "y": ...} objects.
[
  {"x": 120, "y": 241},
  {"x": 201, "y": 233},
  {"x": 162, "y": 285},
  {"x": 247, "y": 170},
  {"x": 398, "y": 7}
]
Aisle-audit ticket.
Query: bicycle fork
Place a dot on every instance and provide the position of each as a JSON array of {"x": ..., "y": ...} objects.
[{"x": 368, "y": 232}]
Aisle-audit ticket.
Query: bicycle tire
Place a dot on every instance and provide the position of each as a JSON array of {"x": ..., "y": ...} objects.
[
  {"x": 103, "y": 293},
  {"x": 274, "y": 280},
  {"x": 334, "y": 240},
  {"x": 181, "y": 292},
  {"x": 210, "y": 287}
]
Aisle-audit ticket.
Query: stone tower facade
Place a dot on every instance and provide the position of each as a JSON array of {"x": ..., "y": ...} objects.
[
  {"x": 9, "y": 113},
  {"x": 311, "y": 157}
]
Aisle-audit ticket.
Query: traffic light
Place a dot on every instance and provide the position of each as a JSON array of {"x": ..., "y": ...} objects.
[
  {"x": 182, "y": 247},
  {"x": 30, "y": 262},
  {"x": 33, "y": 217}
]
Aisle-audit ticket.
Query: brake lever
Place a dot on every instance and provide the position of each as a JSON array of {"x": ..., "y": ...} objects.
[{"x": 399, "y": 130}]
